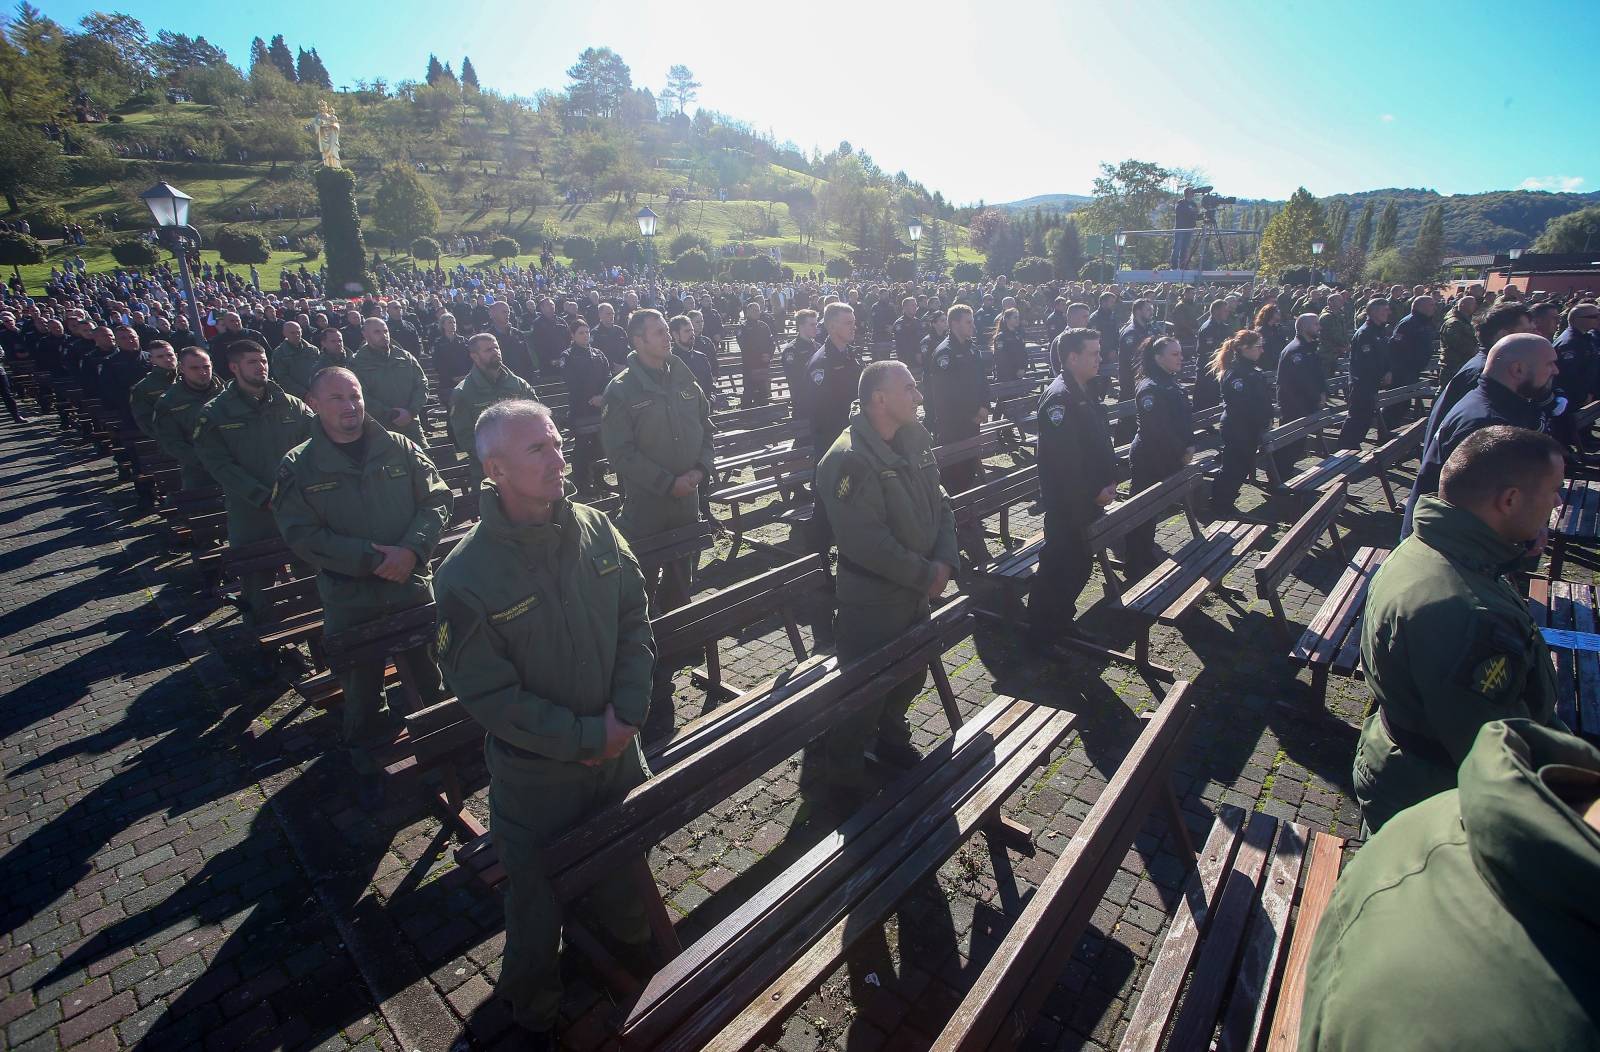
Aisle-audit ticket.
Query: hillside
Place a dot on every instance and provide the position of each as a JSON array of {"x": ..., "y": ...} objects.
[{"x": 1047, "y": 202}]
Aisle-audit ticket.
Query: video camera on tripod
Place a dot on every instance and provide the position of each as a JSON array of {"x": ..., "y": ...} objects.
[{"x": 1210, "y": 201}]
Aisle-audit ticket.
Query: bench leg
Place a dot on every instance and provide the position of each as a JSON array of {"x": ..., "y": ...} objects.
[
  {"x": 947, "y": 695},
  {"x": 1388, "y": 489},
  {"x": 1006, "y": 832},
  {"x": 1319, "y": 685},
  {"x": 661, "y": 929},
  {"x": 615, "y": 976},
  {"x": 796, "y": 641},
  {"x": 1180, "y": 828},
  {"x": 1141, "y": 657},
  {"x": 454, "y": 802},
  {"x": 738, "y": 530}
]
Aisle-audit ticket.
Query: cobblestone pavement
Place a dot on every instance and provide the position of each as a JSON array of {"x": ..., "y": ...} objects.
[{"x": 185, "y": 864}]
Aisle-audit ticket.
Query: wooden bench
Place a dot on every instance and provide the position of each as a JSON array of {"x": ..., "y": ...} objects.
[
  {"x": 1000, "y": 1006},
  {"x": 1332, "y": 641},
  {"x": 1570, "y": 606},
  {"x": 1575, "y": 521},
  {"x": 1296, "y": 543},
  {"x": 997, "y": 496},
  {"x": 1389, "y": 455},
  {"x": 739, "y": 979},
  {"x": 1231, "y": 971},
  {"x": 724, "y": 755},
  {"x": 1399, "y": 396}
]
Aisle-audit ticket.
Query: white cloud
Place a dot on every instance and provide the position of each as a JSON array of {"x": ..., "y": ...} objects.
[
  {"x": 1565, "y": 183},
  {"x": 1387, "y": 118}
]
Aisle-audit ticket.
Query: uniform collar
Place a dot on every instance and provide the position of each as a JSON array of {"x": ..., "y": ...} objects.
[
  {"x": 492, "y": 518},
  {"x": 1521, "y": 411},
  {"x": 327, "y": 457},
  {"x": 863, "y": 434},
  {"x": 660, "y": 379},
  {"x": 273, "y": 393},
  {"x": 483, "y": 379},
  {"x": 1533, "y": 850},
  {"x": 1462, "y": 537}
]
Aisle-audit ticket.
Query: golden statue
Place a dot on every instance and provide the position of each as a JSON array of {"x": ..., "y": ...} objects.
[{"x": 326, "y": 127}]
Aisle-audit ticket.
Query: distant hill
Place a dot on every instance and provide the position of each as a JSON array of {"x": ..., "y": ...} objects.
[
  {"x": 1473, "y": 223},
  {"x": 1048, "y": 202}
]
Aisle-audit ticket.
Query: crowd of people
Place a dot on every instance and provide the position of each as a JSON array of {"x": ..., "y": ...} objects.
[{"x": 312, "y": 415}]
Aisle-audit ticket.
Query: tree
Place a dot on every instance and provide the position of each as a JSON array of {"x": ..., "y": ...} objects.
[
  {"x": 838, "y": 267},
  {"x": 126, "y": 37},
  {"x": 1388, "y": 228},
  {"x": 439, "y": 74},
  {"x": 503, "y": 247},
  {"x": 1126, "y": 197},
  {"x": 681, "y": 87},
  {"x": 341, "y": 233},
  {"x": 309, "y": 69},
  {"x": 934, "y": 257},
  {"x": 1386, "y": 265},
  {"x": 282, "y": 61},
  {"x": 1364, "y": 228},
  {"x": 259, "y": 57},
  {"x": 967, "y": 272},
  {"x": 469, "y": 75},
  {"x": 1286, "y": 242},
  {"x": 1338, "y": 225},
  {"x": 32, "y": 83},
  {"x": 1065, "y": 248},
  {"x": 599, "y": 81},
  {"x": 692, "y": 265},
  {"x": 173, "y": 53},
  {"x": 425, "y": 248},
  {"x": 403, "y": 206},
  {"x": 242, "y": 244},
  {"x": 19, "y": 250},
  {"x": 135, "y": 252},
  {"x": 1033, "y": 271},
  {"x": 28, "y": 162},
  {"x": 1573, "y": 232},
  {"x": 1427, "y": 252}
]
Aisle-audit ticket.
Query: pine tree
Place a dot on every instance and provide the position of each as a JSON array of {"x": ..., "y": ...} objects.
[
  {"x": 1338, "y": 224},
  {"x": 469, "y": 75},
  {"x": 1066, "y": 250},
  {"x": 449, "y": 74},
  {"x": 933, "y": 259},
  {"x": 1286, "y": 242},
  {"x": 1388, "y": 227},
  {"x": 1427, "y": 254},
  {"x": 278, "y": 52},
  {"x": 1364, "y": 228},
  {"x": 319, "y": 72},
  {"x": 435, "y": 70},
  {"x": 258, "y": 53},
  {"x": 302, "y": 66}
]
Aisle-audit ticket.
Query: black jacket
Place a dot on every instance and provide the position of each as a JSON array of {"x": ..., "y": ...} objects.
[
  {"x": 830, "y": 383},
  {"x": 1246, "y": 400},
  {"x": 1076, "y": 457},
  {"x": 587, "y": 371},
  {"x": 1166, "y": 423},
  {"x": 1489, "y": 403},
  {"x": 1301, "y": 385},
  {"x": 1577, "y": 360},
  {"x": 957, "y": 386},
  {"x": 908, "y": 340},
  {"x": 1010, "y": 355},
  {"x": 1369, "y": 357},
  {"x": 1411, "y": 348}
]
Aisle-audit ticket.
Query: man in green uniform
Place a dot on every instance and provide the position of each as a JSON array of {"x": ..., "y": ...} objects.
[
  {"x": 897, "y": 550},
  {"x": 544, "y": 635},
  {"x": 655, "y": 424},
  {"x": 241, "y": 436},
  {"x": 1334, "y": 343},
  {"x": 294, "y": 361},
  {"x": 178, "y": 411},
  {"x": 364, "y": 507},
  {"x": 1471, "y": 921},
  {"x": 158, "y": 381},
  {"x": 488, "y": 382},
  {"x": 395, "y": 386},
  {"x": 1457, "y": 337},
  {"x": 1446, "y": 640}
]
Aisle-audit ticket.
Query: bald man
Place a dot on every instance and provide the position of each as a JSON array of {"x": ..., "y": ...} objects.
[
  {"x": 365, "y": 507},
  {"x": 1513, "y": 389}
]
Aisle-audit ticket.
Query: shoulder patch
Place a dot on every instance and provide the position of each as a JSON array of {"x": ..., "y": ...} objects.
[
  {"x": 943, "y": 361},
  {"x": 1148, "y": 402},
  {"x": 817, "y": 376},
  {"x": 1238, "y": 385},
  {"x": 643, "y": 405},
  {"x": 843, "y": 488},
  {"x": 441, "y": 638},
  {"x": 1492, "y": 675},
  {"x": 1057, "y": 414}
]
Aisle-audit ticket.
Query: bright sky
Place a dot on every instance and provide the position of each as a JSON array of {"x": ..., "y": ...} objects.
[{"x": 1002, "y": 101}]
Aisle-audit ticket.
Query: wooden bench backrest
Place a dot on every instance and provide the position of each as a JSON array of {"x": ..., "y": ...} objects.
[
  {"x": 999, "y": 1009},
  {"x": 1399, "y": 448},
  {"x": 1145, "y": 505},
  {"x": 996, "y": 495},
  {"x": 978, "y": 447},
  {"x": 710, "y": 617},
  {"x": 1277, "y": 564}
]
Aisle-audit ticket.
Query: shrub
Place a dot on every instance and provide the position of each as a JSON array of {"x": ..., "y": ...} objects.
[
  {"x": 693, "y": 264},
  {"x": 241, "y": 244},
  {"x": 901, "y": 268},
  {"x": 967, "y": 272},
  {"x": 1097, "y": 270},
  {"x": 425, "y": 248},
  {"x": 135, "y": 252},
  {"x": 341, "y": 227},
  {"x": 48, "y": 221},
  {"x": 19, "y": 249},
  {"x": 311, "y": 246},
  {"x": 754, "y": 268},
  {"x": 838, "y": 267},
  {"x": 580, "y": 250},
  {"x": 685, "y": 241},
  {"x": 503, "y": 247},
  {"x": 1033, "y": 271}
]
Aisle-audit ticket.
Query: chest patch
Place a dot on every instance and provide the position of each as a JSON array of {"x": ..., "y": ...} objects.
[
  {"x": 229, "y": 427},
  {"x": 394, "y": 471},
  {"x": 646, "y": 404},
  {"x": 943, "y": 361},
  {"x": 322, "y": 487},
  {"x": 604, "y": 563},
  {"x": 686, "y": 394},
  {"x": 511, "y": 613}
]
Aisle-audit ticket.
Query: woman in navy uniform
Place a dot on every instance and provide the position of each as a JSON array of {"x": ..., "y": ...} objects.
[
  {"x": 1246, "y": 415},
  {"x": 1010, "y": 346},
  {"x": 1164, "y": 441}
]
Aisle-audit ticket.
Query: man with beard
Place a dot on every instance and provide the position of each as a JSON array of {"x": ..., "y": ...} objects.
[
  {"x": 488, "y": 382},
  {"x": 1370, "y": 371},
  {"x": 177, "y": 411},
  {"x": 148, "y": 391},
  {"x": 1515, "y": 385},
  {"x": 513, "y": 342}
]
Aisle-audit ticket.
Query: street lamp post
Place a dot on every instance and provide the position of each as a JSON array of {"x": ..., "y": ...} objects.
[
  {"x": 169, "y": 206},
  {"x": 647, "y": 229},
  {"x": 914, "y": 231},
  {"x": 1316, "y": 254},
  {"x": 1513, "y": 254},
  {"x": 1122, "y": 240}
]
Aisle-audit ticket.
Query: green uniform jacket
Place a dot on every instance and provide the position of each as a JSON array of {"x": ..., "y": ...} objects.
[
  {"x": 1448, "y": 645},
  {"x": 1459, "y": 341},
  {"x": 240, "y": 443},
  {"x": 143, "y": 397},
  {"x": 475, "y": 393},
  {"x": 293, "y": 367},
  {"x": 891, "y": 519},
  {"x": 176, "y": 414},
  {"x": 331, "y": 511},
  {"x": 392, "y": 380},
  {"x": 540, "y": 628},
  {"x": 1334, "y": 341},
  {"x": 655, "y": 426},
  {"x": 1472, "y": 920}
]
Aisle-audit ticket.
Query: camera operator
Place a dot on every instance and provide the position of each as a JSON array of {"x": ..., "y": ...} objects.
[{"x": 1185, "y": 219}]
